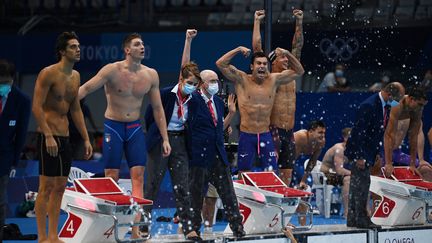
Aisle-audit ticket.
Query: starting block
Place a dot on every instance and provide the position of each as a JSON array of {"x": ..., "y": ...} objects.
[
  {"x": 266, "y": 203},
  {"x": 99, "y": 211},
  {"x": 405, "y": 199}
]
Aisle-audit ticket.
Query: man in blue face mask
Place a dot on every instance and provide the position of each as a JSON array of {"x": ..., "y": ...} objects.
[
  {"x": 363, "y": 146},
  {"x": 209, "y": 164},
  {"x": 392, "y": 103},
  {"x": 176, "y": 105},
  {"x": 5, "y": 88},
  {"x": 14, "y": 118},
  {"x": 335, "y": 81}
]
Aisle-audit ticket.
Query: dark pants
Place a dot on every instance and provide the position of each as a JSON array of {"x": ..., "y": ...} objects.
[
  {"x": 218, "y": 175},
  {"x": 358, "y": 196},
  {"x": 3, "y": 202},
  {"x": 178, "y": 166}
]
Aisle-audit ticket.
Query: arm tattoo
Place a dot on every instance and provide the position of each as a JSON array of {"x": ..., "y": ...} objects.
[{"x": 297, "y": 43}]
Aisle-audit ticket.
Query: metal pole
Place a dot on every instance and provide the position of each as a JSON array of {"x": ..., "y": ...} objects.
[{"x": 268, "y": 27}]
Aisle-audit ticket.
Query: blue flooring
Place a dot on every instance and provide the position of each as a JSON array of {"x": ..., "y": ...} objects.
[{"x": 28, "y": 225}]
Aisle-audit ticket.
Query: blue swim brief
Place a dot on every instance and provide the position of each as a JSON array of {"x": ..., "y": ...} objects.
[
  {"x": 252, "y": 144},
  {"x": 127, "y": 137}
]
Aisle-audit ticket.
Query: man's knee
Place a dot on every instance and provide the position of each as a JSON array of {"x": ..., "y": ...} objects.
[
  {"x": 58, "y": 191},
  {"x": 46, "y": 187},
  {"x": 286, "y": 171},
  {"x": 137, "y": 174},
  {"x": 59, "y": 185},
  {"x": 138, "y": 180},
  {"x": 113, "y": 173},
  {"x": 346, "y": 180},
  {"x": 302, "y": 208}
]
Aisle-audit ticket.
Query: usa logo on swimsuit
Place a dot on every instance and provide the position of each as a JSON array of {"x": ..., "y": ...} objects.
[{"x": 107, "y": 137}]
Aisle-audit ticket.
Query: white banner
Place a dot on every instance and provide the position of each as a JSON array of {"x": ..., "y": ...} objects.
[
  {"x": 338, "y": 238},
  {"x": 281, "y": 240},
  {"x": 405, "y": 236}
]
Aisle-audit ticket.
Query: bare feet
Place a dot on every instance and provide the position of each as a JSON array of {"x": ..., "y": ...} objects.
[
  {"x": 191, "y": 234},
  {"x": 55, "y": 240}
]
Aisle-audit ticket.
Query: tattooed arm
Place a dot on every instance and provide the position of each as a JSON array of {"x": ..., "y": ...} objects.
[
  {"x": 297, "y": 42},
  {"x": 228, "y": 70}
]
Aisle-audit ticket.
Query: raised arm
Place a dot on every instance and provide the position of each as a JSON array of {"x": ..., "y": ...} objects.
[
  {"x": 158, "y": 112},
  {"x": 298, "y": 41},
  {"x": 296, "y": 69},
  {"x": 42, "y": 86},
  {"x": 256, "y": 34},
  {"x": 96, "y": 82},
  {"x": 231, "y": 111},
  {"x": 228, "y": 70},
  {"x": 78, "y": 119},
  {"x": 190, "y": 34}
]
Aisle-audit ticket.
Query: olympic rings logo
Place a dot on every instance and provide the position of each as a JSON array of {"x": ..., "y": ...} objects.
[{"x": 339, "y": 49}]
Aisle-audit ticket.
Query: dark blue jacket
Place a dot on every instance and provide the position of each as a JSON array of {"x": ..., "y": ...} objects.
[
  {"x": 13, "y": 129},
  {"x": 368, "y": 131},
  {"x": 168, "y": 99},
  {"x": 206, "y": 139}
]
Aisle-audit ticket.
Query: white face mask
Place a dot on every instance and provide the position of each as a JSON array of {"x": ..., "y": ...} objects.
[{"x": 213, "y": 89}]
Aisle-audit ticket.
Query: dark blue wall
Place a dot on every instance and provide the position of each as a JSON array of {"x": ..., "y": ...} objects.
[{"x": 404, "y": 48}]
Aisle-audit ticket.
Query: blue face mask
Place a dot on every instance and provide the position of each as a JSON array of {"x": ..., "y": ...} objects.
[
  {"x": 393, "y": 103},
  {"x": 213, "y": 89},
  {"x": 339, "y": 73},
  {"x": 188, "y": 88},
  {"x": 5, "y": 89}
]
